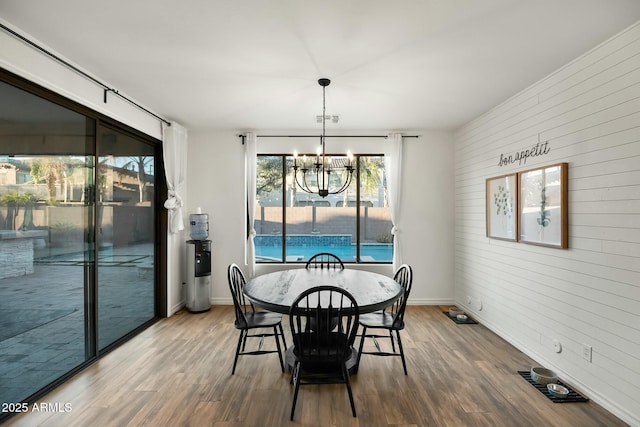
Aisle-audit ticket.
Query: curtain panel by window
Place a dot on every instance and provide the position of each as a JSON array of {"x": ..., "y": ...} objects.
[
  {"x": 250, "y": 164},
  {"x": 393, "y": 168},
  {"x": 174, "y": 148}
]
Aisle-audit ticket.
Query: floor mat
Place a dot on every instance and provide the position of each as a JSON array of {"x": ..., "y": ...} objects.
[
  {"x": 468, "y": 320},
  {"x": 573, "y": 395}
]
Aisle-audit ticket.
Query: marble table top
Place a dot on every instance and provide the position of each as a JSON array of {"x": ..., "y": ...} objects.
[{"x": 276, "y": 291}]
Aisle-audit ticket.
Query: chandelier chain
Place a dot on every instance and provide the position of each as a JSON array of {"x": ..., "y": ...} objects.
[{"x": 322, "y": 168}]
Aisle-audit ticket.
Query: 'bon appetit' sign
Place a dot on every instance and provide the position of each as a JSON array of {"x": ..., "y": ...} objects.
[{"x": 521, "y": 157}]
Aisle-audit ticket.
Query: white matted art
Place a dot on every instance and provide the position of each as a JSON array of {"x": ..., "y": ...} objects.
[
  {"x": 542, "y": 206},
  {"x": 501, "y": 206}
]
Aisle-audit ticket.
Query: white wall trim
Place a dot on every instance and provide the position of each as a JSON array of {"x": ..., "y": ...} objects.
[
  {"x": 566, "y": 377},
  {"x": 176, "y": 308}
]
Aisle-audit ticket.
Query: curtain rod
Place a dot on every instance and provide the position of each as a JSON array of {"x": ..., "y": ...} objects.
[
  {"x": 104, "y": 86},
  {"x": 243, "y": 136}
]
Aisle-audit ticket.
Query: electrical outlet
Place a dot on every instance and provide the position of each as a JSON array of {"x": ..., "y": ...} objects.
[{"x": 586, "y": 352}]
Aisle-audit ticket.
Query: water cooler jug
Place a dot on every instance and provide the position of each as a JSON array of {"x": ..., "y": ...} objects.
[
  {"x": 199, "y": 225},
  {"x": 198, "y": 275}
]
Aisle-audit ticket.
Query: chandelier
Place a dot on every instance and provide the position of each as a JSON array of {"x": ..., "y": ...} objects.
[{"x": 323, "y": 168}]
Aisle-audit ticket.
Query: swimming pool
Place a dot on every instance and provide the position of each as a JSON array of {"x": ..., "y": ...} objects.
[{"x": 301, "y": 247}]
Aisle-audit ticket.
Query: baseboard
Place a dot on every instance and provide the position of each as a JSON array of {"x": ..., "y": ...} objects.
[
  {"x": 594, "y": 395},
  {"x": 176, "y": 308},
  {"x": 430, "y": 301}
]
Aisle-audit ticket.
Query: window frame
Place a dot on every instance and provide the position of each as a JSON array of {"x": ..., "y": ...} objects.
[{"x": 358, "y": 217}]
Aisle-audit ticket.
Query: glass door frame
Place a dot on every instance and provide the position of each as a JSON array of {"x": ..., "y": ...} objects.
[
  {"x": 90, "y": 272},
  {"x": 159, "y": 240}
]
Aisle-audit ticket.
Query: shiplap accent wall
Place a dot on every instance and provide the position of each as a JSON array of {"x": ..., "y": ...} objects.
[{"x": 589, "y": 112}]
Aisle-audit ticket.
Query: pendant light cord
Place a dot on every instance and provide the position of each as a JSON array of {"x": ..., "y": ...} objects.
[{"x": 323, "y": 134}]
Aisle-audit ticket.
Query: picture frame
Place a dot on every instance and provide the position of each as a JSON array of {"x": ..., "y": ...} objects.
[
  {"x": 501, "y": 207},
  {"x": 542, "y": 206}
]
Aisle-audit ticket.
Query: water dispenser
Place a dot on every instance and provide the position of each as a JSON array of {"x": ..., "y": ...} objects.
[
  {"x": 199, "y": 264},
  {"x": 198, "y": 275}
]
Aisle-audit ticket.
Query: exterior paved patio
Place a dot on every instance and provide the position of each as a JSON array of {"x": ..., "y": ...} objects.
[{"x": 42, "y": 327}]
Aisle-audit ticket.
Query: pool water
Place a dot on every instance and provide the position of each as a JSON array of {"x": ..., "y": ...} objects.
[{"x": 377, "y": 252}]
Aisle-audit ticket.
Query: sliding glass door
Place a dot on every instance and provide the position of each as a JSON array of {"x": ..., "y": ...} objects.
[
  {"x": 125, "y": 212},
  {"x": 78, "y": 237}
]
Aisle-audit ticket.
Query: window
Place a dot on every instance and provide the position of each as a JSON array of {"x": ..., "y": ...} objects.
[{"x": 292, "y": 225}]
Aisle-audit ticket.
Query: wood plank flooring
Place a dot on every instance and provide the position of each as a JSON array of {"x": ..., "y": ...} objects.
[{"x": 178, "y": 373}]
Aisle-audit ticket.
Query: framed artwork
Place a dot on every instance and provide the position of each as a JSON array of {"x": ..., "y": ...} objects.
[
  {"x": 542, "y": 206},
  {"x": 501, "y": 196}
]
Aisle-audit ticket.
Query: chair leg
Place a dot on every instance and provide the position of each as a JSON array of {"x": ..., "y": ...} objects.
[
  {"x": 296, "y": 380},
  {"x": 393, "y": 346},
  {"x": 241, "y": 339},
  {"x": 364, "y": 335},
  {"x": 404, "y": 364},
  {"x": 345, "y": 375},
  {"x": 284, "y": 341},
  {"x": 275, "y": 335},
  {"x": 244, "y": 340}
]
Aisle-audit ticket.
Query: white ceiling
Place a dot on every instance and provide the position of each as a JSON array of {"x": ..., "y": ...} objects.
[{"x": 254, "y": 64}]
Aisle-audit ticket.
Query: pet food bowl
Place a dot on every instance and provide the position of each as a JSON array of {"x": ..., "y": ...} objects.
[
  {"x": 455, "y": 311},
  {"x": 557, "y": 390},
  {"x": 461, "y": 317},
  {"x": 543, "y": 376}
]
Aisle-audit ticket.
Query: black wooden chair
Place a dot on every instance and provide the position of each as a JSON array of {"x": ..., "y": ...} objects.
[
  {"x": 322, "y": 351},
  {"x": 390, "y": 319},
  {"x": 325, "y": 260},
  {"x": 248, "y": 319}
]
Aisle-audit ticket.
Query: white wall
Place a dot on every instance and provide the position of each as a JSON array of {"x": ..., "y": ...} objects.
[
  {"x": 216, "y": 173},
  {"x": 24, "y": 60},
  {"x": 216, "y": 184},
  {"x": 589, "y": 112}
]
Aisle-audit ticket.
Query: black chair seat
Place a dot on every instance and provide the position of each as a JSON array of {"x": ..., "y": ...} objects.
[
  {"x": 381, "y": 320},
  {"x": 261, "y": 319},
  {"x": 333, "y": 347},
  {"x": 324, "y": 324},
  {"x": 390, "y": 319},
  {"x": 248, "y": 319}
]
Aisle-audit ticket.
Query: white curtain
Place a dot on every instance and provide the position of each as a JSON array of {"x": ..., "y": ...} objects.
[
  {"x": 250, "y": 160},
  {"x": 393, "y": 169},
  {"x": 174, "y": 148}
]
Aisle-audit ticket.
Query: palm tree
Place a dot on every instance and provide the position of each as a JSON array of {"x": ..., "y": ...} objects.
[
  {"x": 371, "y": 171},
  {"x": 268, "y": 174},
  {"x": 14, "y": 200},
  {"x": 53, "y": 170},
  {"x": 139, "y": 164}
]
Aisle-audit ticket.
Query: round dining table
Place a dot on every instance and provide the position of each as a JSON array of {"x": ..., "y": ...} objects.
[{"x": 276, "y": 291}]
